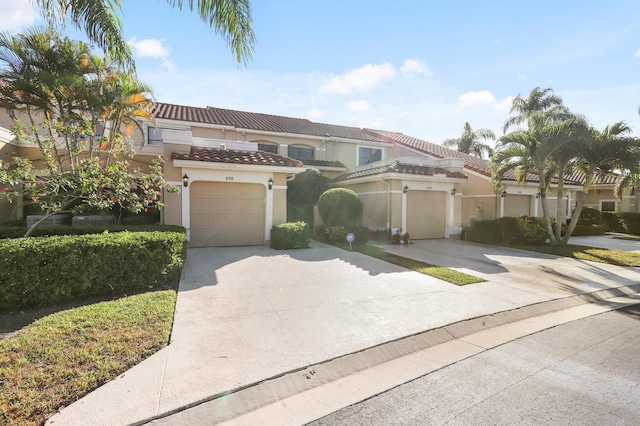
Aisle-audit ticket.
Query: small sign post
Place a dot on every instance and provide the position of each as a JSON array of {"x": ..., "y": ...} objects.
[{"x": 350, "y": 237}]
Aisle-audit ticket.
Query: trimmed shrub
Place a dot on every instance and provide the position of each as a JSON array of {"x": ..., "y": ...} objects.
[
  {"x": 330, "y": 235},
  {"x": 613, "y": 221},
  {"x": 18, "y": 232},
  {"x": 43, "y": 271},
  {"x": 507, "y": 231},
  {"x": 583, "y": 230},
  {"x": 291, "y": 235},
  {"x": 631, "y": 221},
  {"x": 590, "y": 216},
  {"x": 381, "y": 236},
  {"x": 340, "y": 207},
  {"x": 140, "y": 219},
  {"x": 601, "y": 229}
]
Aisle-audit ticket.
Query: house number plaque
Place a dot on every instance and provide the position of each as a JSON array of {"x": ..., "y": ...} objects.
[{"x": 229, "y": 178}]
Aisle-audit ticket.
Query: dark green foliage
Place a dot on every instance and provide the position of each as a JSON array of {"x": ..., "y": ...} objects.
[
  {"x": 302, "y": 194},
  {"x": 140, "y": 219},
  {"x": 613, "y": 221},
  {"x": 291, "y": 235},
  {"x": 40, "y": 271},
  {"x": 590, "y": 216},
  {"x": 631, "y": 221},
  {"x": 330, "y": 234},
  {"x": 381, "y": 236},
  {"x": 601, "y": 229},
  {"x": 306, "y": 188},
  {"x": 340, "y": 207},
  {"x": 17, "y": 232},
  {"x": 582, "y": 230},
  {"x": 510, "y": 231}
]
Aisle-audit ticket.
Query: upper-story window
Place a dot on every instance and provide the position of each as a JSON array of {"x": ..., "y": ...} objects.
[
  {"x": 268, "y": 147},
  {"x": 368, "y": 155},
  {"x": 154, "y": 135},
  {"x": 300, "y": 153}
]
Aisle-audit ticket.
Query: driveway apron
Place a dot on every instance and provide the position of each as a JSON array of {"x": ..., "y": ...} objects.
[{"x": 245, "y": 314}]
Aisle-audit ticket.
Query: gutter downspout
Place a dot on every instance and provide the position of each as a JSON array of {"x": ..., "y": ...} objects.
[{"x": 388, "y": 203}]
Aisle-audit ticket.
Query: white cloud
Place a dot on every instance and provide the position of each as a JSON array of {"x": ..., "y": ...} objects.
[
  {"x": 637, "y": 54},
  {"x": 16, "y": 14},
  {"x": 483, "y": 97},
  {"x": 359, "y": 106},
  {"x": 152, "y": 48},
  {"x": 315, "y": 113},
  {"x": 413, "y": 66},
  {"x": 360, "y": 79}
]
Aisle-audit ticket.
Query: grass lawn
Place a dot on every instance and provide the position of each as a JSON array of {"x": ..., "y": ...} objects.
[
  {"x": 612, "y": 257},
  {"x": 63, "y": 356},
  {"x": 442, "y": 273}
]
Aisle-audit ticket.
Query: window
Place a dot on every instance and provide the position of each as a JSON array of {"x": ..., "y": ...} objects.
[
  {"x": 267, "y": 147},
  {"x": 154, "y": 135},
  {"x": 607, "y": 206},
  {"x": 301, "y": 153},
  {"x": 369, "y": 155}
]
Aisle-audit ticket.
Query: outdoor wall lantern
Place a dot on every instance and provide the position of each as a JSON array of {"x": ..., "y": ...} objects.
[
  {"x": 538, "y": 194},
  {"x": 453, "y": 191},
  {"x": 504, "y": 194},
  {"x": 270, "y": 184},
  {"x": 185, "y": 180},
  {"x": 405, "y": 189}
]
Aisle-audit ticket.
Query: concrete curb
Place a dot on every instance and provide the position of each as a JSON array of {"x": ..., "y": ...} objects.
[{"x": 451, "y": 343}]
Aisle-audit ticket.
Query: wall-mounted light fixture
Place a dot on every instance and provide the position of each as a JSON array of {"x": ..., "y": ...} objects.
[
  {"x": 504, "y": 194},
  {"x": 538, "y": 194},
  {"x": 270, "y": 184},
  {"x": 453, "y": 191},
  {"x": 185, "y": 180},
  {"x": 405, "y": 189}
]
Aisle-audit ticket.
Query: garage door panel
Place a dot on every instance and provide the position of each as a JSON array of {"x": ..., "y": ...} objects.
[
  {"x": 426, "y": 214},
  {"x": 227, "y": 214}
]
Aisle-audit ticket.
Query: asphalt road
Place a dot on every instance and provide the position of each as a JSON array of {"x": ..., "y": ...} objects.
[{"x": 583, "y": 373}]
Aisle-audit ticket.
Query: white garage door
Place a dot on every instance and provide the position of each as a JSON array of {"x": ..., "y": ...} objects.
[
  {"x": 426, "y": 214},
  {"x": 227, "y": 214},
  {"x": 517, "y": 205}
]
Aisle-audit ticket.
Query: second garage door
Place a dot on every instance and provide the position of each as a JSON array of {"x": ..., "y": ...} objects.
[
  {"x": 227, "y": 214},
  {"x": 426, "y": 214}
]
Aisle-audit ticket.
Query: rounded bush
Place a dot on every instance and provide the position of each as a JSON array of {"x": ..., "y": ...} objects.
[
  {"x": 340, "y": 207},
  {"x": 590, "y": 216}
]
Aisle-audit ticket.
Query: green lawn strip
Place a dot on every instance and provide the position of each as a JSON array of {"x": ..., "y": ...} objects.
[
  {"x": 442, "y": 273},
  {"x": 60, "y": 358},
  {"x": 594, "y": 254}
]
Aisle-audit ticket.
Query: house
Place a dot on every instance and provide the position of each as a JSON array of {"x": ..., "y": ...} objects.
[{"x": 233, "y": 167}]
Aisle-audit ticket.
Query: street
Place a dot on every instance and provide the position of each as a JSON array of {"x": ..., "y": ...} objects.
[{"x": 584, "y": 372}]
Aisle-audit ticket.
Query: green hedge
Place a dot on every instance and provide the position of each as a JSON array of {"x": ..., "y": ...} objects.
[
  {"x": 340, "y": 207},
  {"x": 18, "y": 232},
  {"x": 44, "y": 271},
  {"x": 631, "y": 221},
  {"x": 613, "y": 221},
  {"x": 507, "y": 231},
  {"x": 291, "y": 235}
]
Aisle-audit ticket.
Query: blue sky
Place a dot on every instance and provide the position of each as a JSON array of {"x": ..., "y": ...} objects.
[{"x": 423, "y": 68}]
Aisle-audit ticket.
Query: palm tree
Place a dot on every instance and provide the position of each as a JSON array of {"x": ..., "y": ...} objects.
[
  {"x": 230, "y": 19},
  {"x": 539, "y": 100},
  {"x": 543, "y": 149},
  {"x": 469, "y": 141},
  {"x": 603, "y": 151}
]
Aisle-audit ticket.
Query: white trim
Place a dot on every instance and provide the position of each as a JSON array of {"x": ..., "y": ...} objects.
[
  {"x": 492, "y": 195},
  {"x": 395, "y": 191},
  {"x": 231, "y": 166},
  {"x": 608, "y": 201},
  {"x": 382, "y": 153}
]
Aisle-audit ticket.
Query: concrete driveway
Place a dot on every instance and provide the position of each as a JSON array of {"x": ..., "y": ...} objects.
[
  {"x": 612, "y": 241},
  {"x": 250, "y": 313}
]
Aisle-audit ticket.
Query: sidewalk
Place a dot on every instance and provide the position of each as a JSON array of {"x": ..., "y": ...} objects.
[{"x": 251, "y": 313}]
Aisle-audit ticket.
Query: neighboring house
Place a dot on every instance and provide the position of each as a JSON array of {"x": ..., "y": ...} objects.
[{"x": 233, "y": 167}]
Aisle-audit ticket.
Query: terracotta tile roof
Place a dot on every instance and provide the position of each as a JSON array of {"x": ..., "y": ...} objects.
[
  {"x": 258, "y": 121},
  {"x": 598, "y": 179},
  {"x": 259, "y": 158},
  {"x": 397, "y": 167},
  {"x": 323, "y": 163},
  {"x": 476, "y": 164}
]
